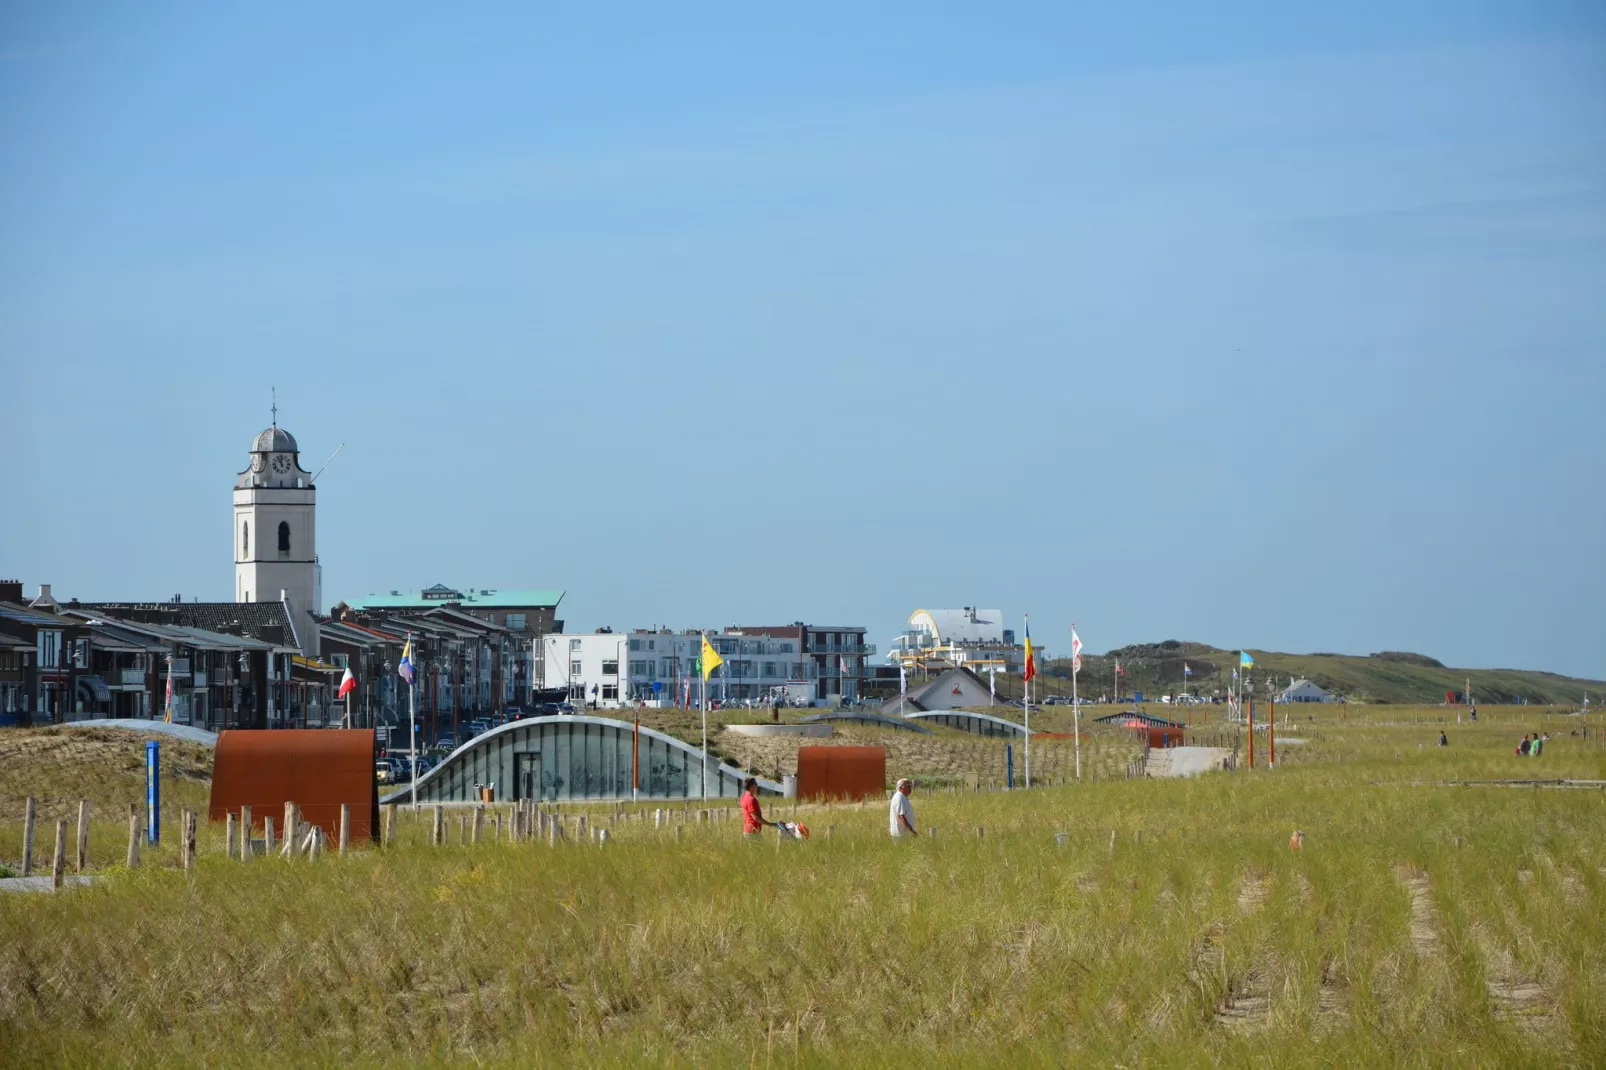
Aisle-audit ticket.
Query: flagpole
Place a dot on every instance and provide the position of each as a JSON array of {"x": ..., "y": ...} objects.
[
  {"x": 412, "y": 719},
  {"x": 704, "y": 674},
  {"x": 1027, "y": 697},
  {"x": 1076, "y": 707}
]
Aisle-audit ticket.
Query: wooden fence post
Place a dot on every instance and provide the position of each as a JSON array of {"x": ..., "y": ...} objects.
[
  {"x": 389, "y": 836},
  {"x": 437, "y": 829},
  {"x": 133, "y": 836},
  {"x": 290, "y": 822},
  {"x": 479, "y": 822},
  {"x": 187, "y": 838},
  {"x": 58, "y": 864},
  {"x": 267, "y": 836},
  {"x": 345, "y": 828},
  {"x": 462, "y": 828},
  {"x": 83, "y": 835},
  {"x": 228, "y": 833},
  {"x": 29, "y": 816},
  {"x": 245, "y": 833}
]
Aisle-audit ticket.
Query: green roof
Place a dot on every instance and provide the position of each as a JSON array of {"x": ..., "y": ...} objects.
[{"x": 468, "y": 597}]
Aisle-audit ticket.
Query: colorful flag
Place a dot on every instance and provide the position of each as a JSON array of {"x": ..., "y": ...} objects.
[
  {"x": 1185, "y": 670},
  {"x": 167, "y": 714},
  {"x": 348, "y": 684},
  {"x": 1076, "y": 650},
  {"x": 710, "y": 659},
  {"x": 1031, "y": 666},
  {"x": 842, "y": 666},
  {"x": 1245, "y": 660},
  {"x": 406, "y": 666},
  {"x": 1118, "y": 670},
  {"x": 903, "y": 679}
]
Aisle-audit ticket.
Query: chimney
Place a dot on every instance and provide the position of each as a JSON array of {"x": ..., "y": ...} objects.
[
  {"x": 44, "y": 600},
  {"x": 10, "y": 590}
]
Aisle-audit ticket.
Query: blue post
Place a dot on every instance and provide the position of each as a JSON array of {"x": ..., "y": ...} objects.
[
  {"x": 153, "y": 791},
  {"x": 1009, "y": 763}
]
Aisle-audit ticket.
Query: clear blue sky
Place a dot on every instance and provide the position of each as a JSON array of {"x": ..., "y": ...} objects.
[{"x": 1258, "y": 324}]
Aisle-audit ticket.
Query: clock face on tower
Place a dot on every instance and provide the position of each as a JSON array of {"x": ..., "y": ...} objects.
[{"x": 281, "y": 464}]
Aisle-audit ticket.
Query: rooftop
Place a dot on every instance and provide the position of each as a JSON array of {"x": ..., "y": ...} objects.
[
  {"x": 469, "y": 597},
  {"x": 274, "y": 440}
]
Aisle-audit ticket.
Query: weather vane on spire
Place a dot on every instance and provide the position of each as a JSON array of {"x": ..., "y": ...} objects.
[{"x": 275, "y": 405}]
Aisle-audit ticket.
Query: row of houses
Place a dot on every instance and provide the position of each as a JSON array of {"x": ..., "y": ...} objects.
[{"x": 242, "y": 665}]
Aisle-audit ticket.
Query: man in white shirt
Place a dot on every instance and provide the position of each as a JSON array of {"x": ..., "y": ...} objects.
[{"x": 903, "y": 811}]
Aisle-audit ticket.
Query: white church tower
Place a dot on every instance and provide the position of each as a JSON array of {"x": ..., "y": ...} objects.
[{"x": 275, "y": 534}]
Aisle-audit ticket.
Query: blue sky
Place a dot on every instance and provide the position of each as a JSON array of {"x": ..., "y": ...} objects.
[{"x": 1252, "y": 325}]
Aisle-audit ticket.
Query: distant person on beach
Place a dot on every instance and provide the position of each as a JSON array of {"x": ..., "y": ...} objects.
[
  {"x": 1474, "y": 712},
  {"x": 902, "y": 816},
  {"x": 752, "y": 813},
  {"x": 1523, "y": 747},
  {"x": 1536, "y": 747},
  {"x": 1444, "y": 740}
]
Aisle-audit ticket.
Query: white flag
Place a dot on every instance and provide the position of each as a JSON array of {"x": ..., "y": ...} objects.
[
  {"x": 903, "y": 680},
  {"x": 1076, "y": 644}
]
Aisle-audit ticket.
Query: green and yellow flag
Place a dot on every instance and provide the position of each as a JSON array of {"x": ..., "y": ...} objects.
[{"x": 710, "y": 659}]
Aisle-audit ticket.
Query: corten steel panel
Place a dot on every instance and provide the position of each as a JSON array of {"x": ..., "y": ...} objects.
[
  {"x": 317, "y": 769},
  {"x": 841, "y": 772},
  {"x": 1164, "y": 737}
]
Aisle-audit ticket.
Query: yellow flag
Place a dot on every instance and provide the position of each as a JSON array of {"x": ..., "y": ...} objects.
[{"x": 711, "y": 658}]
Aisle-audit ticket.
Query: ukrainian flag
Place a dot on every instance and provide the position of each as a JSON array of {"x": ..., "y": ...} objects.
[{"x": 1245, "y": 660}]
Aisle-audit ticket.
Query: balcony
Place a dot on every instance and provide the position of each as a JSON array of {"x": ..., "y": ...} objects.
[{"x": 862, "y": 650}]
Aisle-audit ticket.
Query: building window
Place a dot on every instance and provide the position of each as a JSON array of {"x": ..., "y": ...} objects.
[
  {"x": 610, "y": 668},
  {"x": 635, "y": 644},
  {"x": 284, "y": 538},
  {"x": 610, "y": 691},
  {"x": 574, "y": 668},
  {"x": 515, "y": 622},
  {"x": 245, "y": 540},
  {"x": 340, "y": 660},
  {"x": 574, "y": 644}
]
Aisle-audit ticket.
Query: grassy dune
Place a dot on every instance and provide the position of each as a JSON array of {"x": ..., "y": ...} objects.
[{"x": 1420, "y": 925}]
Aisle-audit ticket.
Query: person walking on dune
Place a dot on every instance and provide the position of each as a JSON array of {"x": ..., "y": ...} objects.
[{"x": 902, "y": 816}]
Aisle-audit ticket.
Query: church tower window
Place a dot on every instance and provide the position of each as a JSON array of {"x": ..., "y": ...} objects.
[
  {"x": 284, "y": 539},
  {"x": 245, "y": 541}
]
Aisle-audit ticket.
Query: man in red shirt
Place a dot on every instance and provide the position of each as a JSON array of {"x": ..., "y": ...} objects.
[{"x": 752, "y": 814}]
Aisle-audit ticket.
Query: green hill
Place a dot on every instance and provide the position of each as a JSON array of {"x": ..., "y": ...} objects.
[{"x": 1388, "y": 676}]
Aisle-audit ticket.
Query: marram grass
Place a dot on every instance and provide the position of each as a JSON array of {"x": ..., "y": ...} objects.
[{"x": 1419, "y": 925}]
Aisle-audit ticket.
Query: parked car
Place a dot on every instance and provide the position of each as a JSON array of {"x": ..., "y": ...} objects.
[
  {"x": 446, "y": 743},
  {"x": 511, "y": 713},
  {"x": 566, "y": 707},
  {"x": 384, "y": 773}
]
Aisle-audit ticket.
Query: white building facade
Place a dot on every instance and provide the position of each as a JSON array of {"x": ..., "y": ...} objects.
[
  {"x": 275, "y": 534},
  {"x": 614, "y": 669}
]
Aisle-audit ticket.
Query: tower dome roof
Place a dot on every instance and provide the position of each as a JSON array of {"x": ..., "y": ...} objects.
[{"x": 274, "y": 440}]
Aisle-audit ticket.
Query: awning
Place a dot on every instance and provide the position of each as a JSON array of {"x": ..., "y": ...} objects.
[
  {"x": 313, "y": 664},
  {"x": 96, "y": 687}
]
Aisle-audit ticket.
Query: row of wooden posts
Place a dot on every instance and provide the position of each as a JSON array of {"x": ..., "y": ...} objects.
[{"x": 526, "y": 821}]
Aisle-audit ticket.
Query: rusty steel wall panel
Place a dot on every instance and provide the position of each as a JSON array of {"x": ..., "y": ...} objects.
[
  {"x": 841, "y": 772},
  {"x": 317, "y": 769}
]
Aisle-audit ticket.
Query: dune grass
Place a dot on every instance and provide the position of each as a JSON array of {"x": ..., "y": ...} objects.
[{"x": 1419, "y": 925}]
